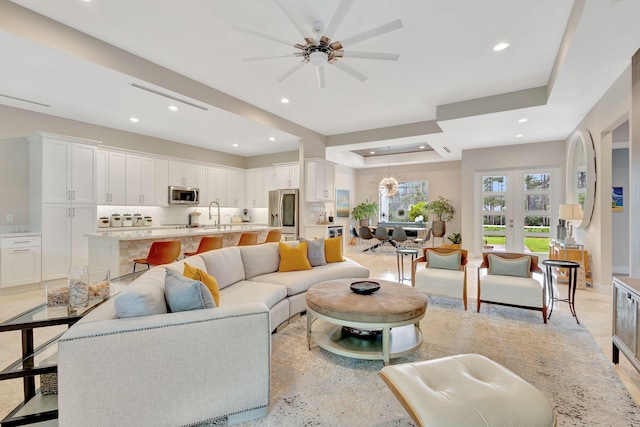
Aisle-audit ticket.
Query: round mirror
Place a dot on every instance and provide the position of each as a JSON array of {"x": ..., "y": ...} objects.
[{"x": 581, "y": 175}]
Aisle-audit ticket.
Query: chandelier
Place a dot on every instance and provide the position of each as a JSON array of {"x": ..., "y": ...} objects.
[{"x": 388, "y": 185}]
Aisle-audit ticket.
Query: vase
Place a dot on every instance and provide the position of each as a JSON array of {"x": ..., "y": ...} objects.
[
  {"x": 78, "y": 287},
  {"x": 99, "y": 283},
  {"x": 439, "y": 228}
]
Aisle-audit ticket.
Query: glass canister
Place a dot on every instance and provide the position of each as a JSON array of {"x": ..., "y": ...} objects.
[
  {"x": 78, "y": 287},
  {"x": 99, "y": 283}
]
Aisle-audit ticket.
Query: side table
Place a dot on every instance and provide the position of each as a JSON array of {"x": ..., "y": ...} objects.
[
  {"x": 572, "y": 274},
  {"x": 400, "y": 254}
]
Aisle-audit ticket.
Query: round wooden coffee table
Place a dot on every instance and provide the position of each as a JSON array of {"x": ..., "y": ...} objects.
[{"x": 380, "y": 326}]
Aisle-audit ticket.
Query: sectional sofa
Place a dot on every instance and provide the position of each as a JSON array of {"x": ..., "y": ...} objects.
[{"x": 189, "y": 367}]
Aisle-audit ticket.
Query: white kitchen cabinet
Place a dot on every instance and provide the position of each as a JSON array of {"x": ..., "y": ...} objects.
[
  {"x": 257, "y": 186},
  {"x": 216, "y": 185},
  {"x": 287, "y": 175},
  {"x": 162, "y": 182},
  {"x": 67, "y": 169},
  {"x": 110, "y": 180},
  {"x": 235, "y": 189},
  {"x": 20, "y": 260},
  {"x": 64, "y": 241},
  {"x": 202, "y": 186},
  {"x": 141, "y": 180},
  {"x": 183, "y": 174},
  {"x": 319, "y": 181},
  {"x": 268, "y": 183}
]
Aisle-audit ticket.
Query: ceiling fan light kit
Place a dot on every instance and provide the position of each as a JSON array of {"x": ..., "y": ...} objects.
[{"x": 321, "y": 50}]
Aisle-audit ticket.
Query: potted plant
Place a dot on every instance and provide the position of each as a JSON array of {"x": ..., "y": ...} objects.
[
  {"x": 364, "y": 211},
  {"x": 455, "y": 239},
  {"x": 442, "y": 211}
]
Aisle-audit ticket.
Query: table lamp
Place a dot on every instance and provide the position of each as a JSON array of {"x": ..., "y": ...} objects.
[{"x": 570, "y": 213}]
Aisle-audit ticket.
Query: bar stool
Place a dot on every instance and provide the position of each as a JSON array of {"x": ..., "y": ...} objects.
[
  {"x": 160, "y": 253},
  {"x": 400, "y": 254},
  {"x": 273, "y": 236},
  {"x": 248, "y": 239},
  {"x": 207, "y": 243}
]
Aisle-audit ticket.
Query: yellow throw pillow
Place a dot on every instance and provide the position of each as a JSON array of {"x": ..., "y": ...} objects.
[
  {"x": 293, "y": 259},
  {"x": 209, "y": 281},
  {"x": 333, "y": 249}
]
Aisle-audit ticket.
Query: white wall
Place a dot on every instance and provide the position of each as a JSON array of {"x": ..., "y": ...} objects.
[
  {"x": 620, "y": 220},
  {"x": 609, "y": 112},
  {"x": 542, "y": 154},
  {"x": 14, "y": 182}
]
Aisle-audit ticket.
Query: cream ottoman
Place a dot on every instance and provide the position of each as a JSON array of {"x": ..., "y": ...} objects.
[{"x": 467, "y": 390}]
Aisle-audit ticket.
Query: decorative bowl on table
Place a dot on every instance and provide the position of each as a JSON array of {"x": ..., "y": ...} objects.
[{"x": 365, "y": 287}]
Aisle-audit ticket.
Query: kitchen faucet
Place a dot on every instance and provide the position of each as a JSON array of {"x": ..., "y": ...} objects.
[{"x": 218, "y": 205}]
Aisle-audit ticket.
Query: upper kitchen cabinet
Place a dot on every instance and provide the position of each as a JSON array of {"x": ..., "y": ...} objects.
[
  {"x": 319, "y": 181},
  {"x": 216, "y": 185},
  {"x": 235, "y": 189},
  {"x": 69, "y": 173},
  {"x": 183, "y": 174},
  {"x": 257, "y": 185},
  {"x": 111, "y": 183},
  {"x": 287, "y": 175},
  {"x": 141, "y": 180}
]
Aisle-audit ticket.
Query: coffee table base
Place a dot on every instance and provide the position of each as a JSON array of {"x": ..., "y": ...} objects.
[{"x": 396, "y": 340}]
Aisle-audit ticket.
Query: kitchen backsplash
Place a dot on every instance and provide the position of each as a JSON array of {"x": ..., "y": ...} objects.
[{"x": 180, "y": 215}]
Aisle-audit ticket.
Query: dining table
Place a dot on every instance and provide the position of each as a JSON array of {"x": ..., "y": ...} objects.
[{"x": 421, "y": 233}]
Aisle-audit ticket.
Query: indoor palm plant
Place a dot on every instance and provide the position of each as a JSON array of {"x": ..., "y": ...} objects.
[
  {"x": 442, "y": 210},
  {"x": 364, "y": 211}
]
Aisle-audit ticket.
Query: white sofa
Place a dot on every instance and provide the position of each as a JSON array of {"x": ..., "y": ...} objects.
[{"x": 187, "y": 367}]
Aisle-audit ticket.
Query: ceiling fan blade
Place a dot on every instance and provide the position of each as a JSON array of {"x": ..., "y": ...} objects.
[
  {"x": 350, "y": 70},
  {"x": 337, "y": 18},
  {"x": 320, "y": 74},
  {"x": 263, "y": 35},
  {"x": 295, "y": 21},
  {"x": 374, "y": 32},
  {"x": 370, "y": 55},
  {"x": 292, "y": 70},
  {"x": 283, "y": 55}
]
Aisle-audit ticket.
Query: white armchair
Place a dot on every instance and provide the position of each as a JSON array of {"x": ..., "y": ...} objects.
[
  {"x": 514, "y": 280},
  {"x": 441, "y": 272}
]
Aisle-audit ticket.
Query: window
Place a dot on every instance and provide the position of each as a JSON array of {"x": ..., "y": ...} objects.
[{"x": 396, "y": 208}]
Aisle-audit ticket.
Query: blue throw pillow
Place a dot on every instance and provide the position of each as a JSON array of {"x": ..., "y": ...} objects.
[
  {"x": 450, "y": 261},
  {"x": 518, "y": 267},
  {"x": 184, "y": 294},
  {"x": 144, "y": 299}
]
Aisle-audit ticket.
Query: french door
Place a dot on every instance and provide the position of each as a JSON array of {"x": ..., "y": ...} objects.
[{"x": 517, "y": 209}]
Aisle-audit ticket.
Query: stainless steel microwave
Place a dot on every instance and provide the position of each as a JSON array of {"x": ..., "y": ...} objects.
[{"x": 183, "y": 195}]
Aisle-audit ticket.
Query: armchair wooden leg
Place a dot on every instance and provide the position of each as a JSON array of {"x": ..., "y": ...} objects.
[
  {"x": 478, "y": 305},
  {"x": 544, "y": 315}
]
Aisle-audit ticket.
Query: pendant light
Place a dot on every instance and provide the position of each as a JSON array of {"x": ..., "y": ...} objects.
[{"x": 388, "y": 185}]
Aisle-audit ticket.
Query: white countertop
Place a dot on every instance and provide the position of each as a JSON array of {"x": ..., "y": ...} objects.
[{"x": 141, "y": 233}]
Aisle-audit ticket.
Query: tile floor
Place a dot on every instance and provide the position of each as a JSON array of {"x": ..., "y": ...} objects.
[{"x": 593, "y": 307}]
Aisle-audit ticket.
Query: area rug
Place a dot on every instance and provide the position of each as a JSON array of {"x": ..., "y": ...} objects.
[{"x": 317, "y": 388}]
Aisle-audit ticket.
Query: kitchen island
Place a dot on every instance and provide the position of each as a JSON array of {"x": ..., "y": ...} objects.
[{"x": 118, "y": 249}]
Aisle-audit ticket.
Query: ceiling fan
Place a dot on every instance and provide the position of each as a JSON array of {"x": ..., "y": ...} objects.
[{"x": 319, "y": 49}]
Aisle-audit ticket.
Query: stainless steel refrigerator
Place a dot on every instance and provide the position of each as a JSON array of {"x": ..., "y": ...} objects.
[{"x": 283, "y": 211}]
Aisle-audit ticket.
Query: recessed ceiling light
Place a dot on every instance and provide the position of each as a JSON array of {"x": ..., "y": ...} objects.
[
  {"x": 501, "y": 46},
  {"x": 235, "y": 145},
  {"x": 372, "y": 152},
  {"x": 422, "y": 147},
  {"x": 134, "y": 119},
  {"x": 272, "y": 138},
  {"x": 284, "y": 100},
  {"x": 523, "y": 120},
  {"x": 173, "y": 108},
  {"x": 519, "y": 135}
]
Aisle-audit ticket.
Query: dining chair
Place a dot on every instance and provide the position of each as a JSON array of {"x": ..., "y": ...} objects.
[
  {"x": 383, "y": 236},
  {"x": 160, "y": 253},
  {"x": 207, "y": 243},
  {"x": 399, "y": 235}
]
